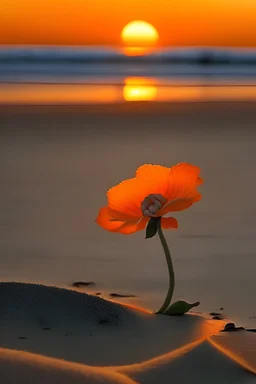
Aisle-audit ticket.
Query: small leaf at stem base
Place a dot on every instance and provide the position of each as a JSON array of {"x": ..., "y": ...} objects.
[
  {"x": 180, "y": 307},
  {"x": 152, "y": 227}
]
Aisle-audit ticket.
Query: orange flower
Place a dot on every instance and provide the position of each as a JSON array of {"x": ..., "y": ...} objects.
[{"x": 153, "y": 192}]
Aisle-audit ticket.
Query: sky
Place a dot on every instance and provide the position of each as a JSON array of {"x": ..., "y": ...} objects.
[{"x": 100, "y": 22}]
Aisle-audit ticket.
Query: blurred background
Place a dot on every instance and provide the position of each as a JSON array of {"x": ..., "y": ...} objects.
[
  {"x": 139, "y": 50},
  {"x": 90, "y": 90}
]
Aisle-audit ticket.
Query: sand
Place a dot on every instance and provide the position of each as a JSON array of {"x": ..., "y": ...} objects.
[
  {"x": 56, "y": 164},
  {"x": 64, "y": 336}
]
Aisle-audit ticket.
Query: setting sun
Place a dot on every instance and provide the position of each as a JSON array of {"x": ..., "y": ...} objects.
[{"x": 138, "y": 36}]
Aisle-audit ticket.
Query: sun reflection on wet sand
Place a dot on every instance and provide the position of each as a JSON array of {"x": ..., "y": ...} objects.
[
  {"x": 140, "y": 89},
  {"x": 134, "y": 89}
]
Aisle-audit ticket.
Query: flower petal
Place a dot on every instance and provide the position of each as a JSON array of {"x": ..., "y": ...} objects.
[
  {"x": 199, "y": 181},
  {"x": 127, "y": 196},
  {"x": 120, "y": 216},
  {"x": 169, "y": 222},
  {"x": 179, "y": 204},
  {"x": 179, "y": 181},
  {"x": 131, "y": 226},
  {"x": 152, "y": 171},
  {"x": 106, "y": 221},
  {"x": 177, "y": 185},
  {"x": 155, "y": 174},
  {"x": 183, "y": 181}
]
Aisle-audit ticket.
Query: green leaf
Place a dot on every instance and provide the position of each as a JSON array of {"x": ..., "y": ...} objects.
[
  {"x": 180, "y": 307},
  {"x": 152, "y": 227}
]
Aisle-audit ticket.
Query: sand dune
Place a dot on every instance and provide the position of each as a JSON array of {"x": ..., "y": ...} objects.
[
  {"x": 22, "y": 367},
  {"x": 202, "y": 364},
  {"x": 64, "y": 336},
  {"x": 59, "y": 323}
]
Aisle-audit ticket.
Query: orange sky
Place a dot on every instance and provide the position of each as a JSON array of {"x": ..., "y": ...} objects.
[{"x": 93, "y": 22}]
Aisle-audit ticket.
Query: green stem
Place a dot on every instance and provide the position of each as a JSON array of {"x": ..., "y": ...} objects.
[{"x": 170, "y": 270}]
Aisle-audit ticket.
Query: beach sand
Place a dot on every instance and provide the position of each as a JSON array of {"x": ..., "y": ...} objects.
[
  {"x": 56, "y": 165},
  {"x": 62, "y": 336}
]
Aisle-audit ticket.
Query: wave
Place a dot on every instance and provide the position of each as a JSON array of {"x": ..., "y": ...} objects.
[{"x": 201, "y": 55}]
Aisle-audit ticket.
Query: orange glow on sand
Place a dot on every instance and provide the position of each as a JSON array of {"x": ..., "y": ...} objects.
[
  {"x": 233, "y": 350},
  {"x": 139, "y": 37},
  {"x": 58, "y": 94},
  {"x": 132, "y": 306},
  {"x": 208, "y": 329}
]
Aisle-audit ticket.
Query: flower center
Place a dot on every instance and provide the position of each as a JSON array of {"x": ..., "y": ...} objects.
[{"x": 152, "y": 204}]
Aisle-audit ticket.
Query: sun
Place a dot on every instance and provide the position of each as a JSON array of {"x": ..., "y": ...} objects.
[{"x": 139, "y": 36}]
